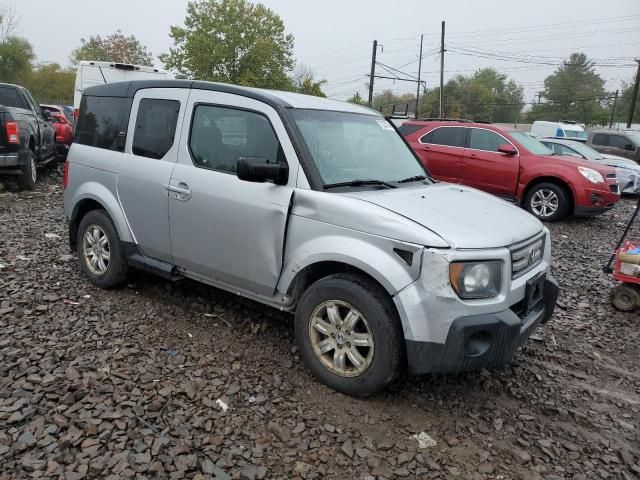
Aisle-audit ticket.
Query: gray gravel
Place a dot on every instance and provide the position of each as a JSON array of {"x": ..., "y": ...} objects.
[{"x": 179, "y": 380}]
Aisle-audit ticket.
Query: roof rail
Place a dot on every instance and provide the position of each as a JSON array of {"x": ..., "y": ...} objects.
[
  {"x": 568, "y": 122},
  {"x": 435, "y": 119},
  {"x": 482, "y": 121}
]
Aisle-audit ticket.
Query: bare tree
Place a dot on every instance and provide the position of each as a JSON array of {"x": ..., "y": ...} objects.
[{"x": 9, "y": 20}]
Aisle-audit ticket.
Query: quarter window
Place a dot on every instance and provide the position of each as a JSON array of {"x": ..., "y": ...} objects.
[
  {"x": 407, "y": 130},
  {"x": 220, "y": 136},
  {"x": 600, "y": 139},
  {"x": 102, "y": 122},
  {"x": 485, "y": 140},
  {"x": 448, "y": 136},
  {"x": 155, "y": 127}
]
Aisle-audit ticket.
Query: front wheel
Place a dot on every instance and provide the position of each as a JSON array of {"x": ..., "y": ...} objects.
[
  {"x": 349, "y": 334},
  {"x": 625, "y": 297},
  {"x": 548, "y": 202}
]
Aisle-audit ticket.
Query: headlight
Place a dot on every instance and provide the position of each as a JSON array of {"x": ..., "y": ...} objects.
[
  {"x": 591, "y": 175},
  {"x": 473, "y": 280}
]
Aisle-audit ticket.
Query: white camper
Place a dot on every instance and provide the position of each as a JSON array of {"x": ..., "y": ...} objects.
[{"x": 561, "y": 129}]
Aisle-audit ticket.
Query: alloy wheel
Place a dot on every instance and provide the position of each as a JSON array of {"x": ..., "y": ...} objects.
[
  {"x": 545, "y": 202},
  {"x": 96, "y": 250},
  {"x": 341, "y": 338}
]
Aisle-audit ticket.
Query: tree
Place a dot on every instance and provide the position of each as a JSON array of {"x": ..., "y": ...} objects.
[
  {"x": 357, "y": 99},
  {"x": 624, "y": 103},
  {"x": 486, "y": 95},
  {"x": 304, "y": 82},
  {"x": 50, "y": 83},
  {"x": 16, "y": 58},
  {"x": 573, "y": 92},
  {"x": 386, "y": 100},
  {"x": 232, "y": 41},
  {"x": 9, "y": 21},
  {"x": 114, "y": 48}
]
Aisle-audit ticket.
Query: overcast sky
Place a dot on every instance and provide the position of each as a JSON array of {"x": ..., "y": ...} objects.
[{"x": 334, "y": 36}]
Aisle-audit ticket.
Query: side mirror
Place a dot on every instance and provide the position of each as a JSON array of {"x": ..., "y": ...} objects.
[
  {"x": 507, "y": 149},
  {"x": 47, "y": 115},
  {"x": 260, "y": 170}
]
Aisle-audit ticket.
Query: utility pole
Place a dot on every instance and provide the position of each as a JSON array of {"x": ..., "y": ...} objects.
[
  {"x": 419, "y": 70},
  {"x": 441, "y": 68},
  {"x": 373, "y": 71},
  {"x": 634, "y": 97},
  {"x": 613, "y": 110},
  {"x": 539, "y": 95}
]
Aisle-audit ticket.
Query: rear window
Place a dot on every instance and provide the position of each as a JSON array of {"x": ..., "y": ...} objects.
[
  {"x": 10, "y": 97},
  {"x": 448, "y": 136},
  {"x": 155, "y": 127},
  {"x": 407, "y": 130},
  {"x": 102, "y": 122}
]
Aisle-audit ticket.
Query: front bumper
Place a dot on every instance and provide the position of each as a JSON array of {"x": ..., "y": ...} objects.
[
  {"x": 482, "y": 341},
  {"x": 595, "y": 201}
]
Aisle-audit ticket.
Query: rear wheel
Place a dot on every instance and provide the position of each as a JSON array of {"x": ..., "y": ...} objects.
[
  {"x": 548, "y": 202},
  {"x": 99, "y": 250},
  {"x": 349, "y": 334},
  {"x": 27, "y": 181},
  {"x": 625, "y": 297}
]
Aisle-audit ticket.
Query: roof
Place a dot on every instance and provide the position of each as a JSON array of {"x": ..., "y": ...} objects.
[
  {"x": 124, "y": 66},
  {"x": 458, "y": 123},
  {"x": 274, "y": 98}
]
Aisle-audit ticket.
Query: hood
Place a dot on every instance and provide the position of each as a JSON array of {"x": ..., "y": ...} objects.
[
  {"x": 615, "y": 161},
  {"x": 464, "y": 217}
]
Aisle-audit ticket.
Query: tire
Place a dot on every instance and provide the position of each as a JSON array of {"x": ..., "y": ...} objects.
[
  {"x": 625, "y": 297},
  {"x": 377, "y": 325},
  {"x": 548, "y": 202},
  {"x": 111, "y": 272},
  {"x": 29, "y": 177}
]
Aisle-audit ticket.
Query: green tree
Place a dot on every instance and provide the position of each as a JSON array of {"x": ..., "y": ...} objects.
[
  {"x": 50, "y": 83},
  {"x": 624, "y": 103},
  {"x": 357, "y": 99},
  {"x": 232, "y": 41},
  {"x": 114, "y": 48},
  {"x": 486, "y": 95},
  {"x": 304, "y": 82},
  {"x": 386, "y": 100},
  {"x": 16, "y": 58},
  {"x": 573, "y": 92}
]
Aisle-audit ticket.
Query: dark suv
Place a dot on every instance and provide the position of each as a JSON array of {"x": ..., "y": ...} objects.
[{"x": 625, "y": 143}]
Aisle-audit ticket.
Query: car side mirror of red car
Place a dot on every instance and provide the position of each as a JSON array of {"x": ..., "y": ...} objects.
[{"x": 507, "y": 149}]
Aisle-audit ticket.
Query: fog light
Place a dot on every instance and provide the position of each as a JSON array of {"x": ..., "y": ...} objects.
[{"x": 477, "y": 344}]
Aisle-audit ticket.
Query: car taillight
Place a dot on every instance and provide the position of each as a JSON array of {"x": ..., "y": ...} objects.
[
  {"x": 65, "y": 178},
  {"x": 13, "y": 133},
  {"x": 76, "y": 112}
]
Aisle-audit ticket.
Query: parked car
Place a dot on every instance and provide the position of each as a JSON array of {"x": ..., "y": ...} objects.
[
  {"x": 315, "y": 207},
  {"x": 628, "y": 171},
  {"x": 91, "y": 73},
  {"x": 513, "y": 165},
  {"x": 624, "y": 143},
  {"x": 561, "y": 129},
  {"x": 27, "y": 137},
  {"x": 64, "y": 129}
]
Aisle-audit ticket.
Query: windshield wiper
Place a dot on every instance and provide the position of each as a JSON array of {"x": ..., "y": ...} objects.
[
  {"x": 360, "y": 183},
  {"x": 415, "y": 178}
]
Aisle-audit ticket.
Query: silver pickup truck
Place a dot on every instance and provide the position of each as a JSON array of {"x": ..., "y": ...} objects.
[{"x": 311, "y": 206}]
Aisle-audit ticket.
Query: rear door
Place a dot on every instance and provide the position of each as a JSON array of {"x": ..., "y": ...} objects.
[
  {"x": 45, "y": 144},
  {"x": 618, "y": 146},
  {"x": 442, "y": 152},
  {"x": 485, "y": 167},
  {"x": 150, "y": 154}
]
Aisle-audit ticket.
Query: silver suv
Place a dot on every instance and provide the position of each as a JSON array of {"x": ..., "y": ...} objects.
[{"x": 312, "y": 206}]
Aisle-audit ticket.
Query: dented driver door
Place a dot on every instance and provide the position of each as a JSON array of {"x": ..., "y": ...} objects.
[{"x": 222, "y": 228}]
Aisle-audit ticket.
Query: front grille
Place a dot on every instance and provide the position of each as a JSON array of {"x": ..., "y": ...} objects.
[
  {"x": 614, "y": 188},
  {"x": 526, "y": 255}
]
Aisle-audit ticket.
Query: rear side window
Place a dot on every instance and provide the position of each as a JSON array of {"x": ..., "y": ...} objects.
[
  {"x": 448, "y": 136},
  {"x": 485, "y": 140},
  {"x": 155, "y": 127},
  {"x": 600, "y": 139},
  {"x": 618, "y": 141},
  {"x": 407, "y": 130},
  {"x": 220, "y": 136},
  {"x": 10, "y": 97},
  {"x": 102, "y": 122}
]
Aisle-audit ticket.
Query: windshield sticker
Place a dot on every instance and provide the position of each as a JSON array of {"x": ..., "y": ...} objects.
[{"x": 384, "y": 125}]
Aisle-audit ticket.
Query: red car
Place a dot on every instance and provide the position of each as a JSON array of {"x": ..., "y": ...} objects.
[
  {"x": 513, "y": 165},
  {"x": 64, "y": 128}
]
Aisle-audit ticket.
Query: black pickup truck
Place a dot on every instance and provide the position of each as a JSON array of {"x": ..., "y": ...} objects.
[{"x": 27, "y": 136}]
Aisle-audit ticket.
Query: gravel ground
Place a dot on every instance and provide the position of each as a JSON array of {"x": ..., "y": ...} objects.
[{"x": 180, "y": 380}]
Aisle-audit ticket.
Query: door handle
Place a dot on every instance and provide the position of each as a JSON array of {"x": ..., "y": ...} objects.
[{"x": 183, "y": 192}]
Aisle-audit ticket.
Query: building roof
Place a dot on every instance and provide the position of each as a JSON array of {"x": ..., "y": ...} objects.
[{"x": 274, "y": 98}]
